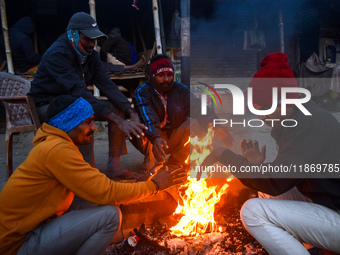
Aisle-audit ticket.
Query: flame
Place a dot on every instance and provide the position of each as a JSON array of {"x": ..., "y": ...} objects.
[{"x": 198, "y": 199}]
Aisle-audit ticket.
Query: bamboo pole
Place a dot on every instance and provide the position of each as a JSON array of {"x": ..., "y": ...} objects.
[
  {"x": 92, "y": 4},
  {"x": 6, "y": 37},
  {"x": 157, "y": 26}
]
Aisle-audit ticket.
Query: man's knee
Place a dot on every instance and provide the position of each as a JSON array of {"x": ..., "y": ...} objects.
[
  {"x": 113, "y": 214},
  {"x": 252, "y": 211}
]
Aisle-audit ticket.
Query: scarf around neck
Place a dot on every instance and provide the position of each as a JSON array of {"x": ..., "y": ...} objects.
[{"x": 73, "y": 36}]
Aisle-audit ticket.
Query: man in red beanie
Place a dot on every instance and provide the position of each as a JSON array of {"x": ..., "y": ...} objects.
[
  {"x": 307, "y": 204},
  {"x": 164, "y": 107}
]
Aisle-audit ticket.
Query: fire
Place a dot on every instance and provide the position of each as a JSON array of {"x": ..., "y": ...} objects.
[{"x": 198, "y": 200}]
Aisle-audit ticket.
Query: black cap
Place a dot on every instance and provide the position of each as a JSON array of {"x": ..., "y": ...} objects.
[{"x": 86, "y": 24}]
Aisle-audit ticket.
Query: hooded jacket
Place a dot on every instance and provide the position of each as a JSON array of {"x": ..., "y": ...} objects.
[
  {"x": 43, "y": 187},
  {"x": 23, "y": 53},
  {"x": 61, "y": 73},
  {"x": 274, "y": 73}
]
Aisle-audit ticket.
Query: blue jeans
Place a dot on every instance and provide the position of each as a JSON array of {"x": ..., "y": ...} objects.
[{"x": 87, "y": 231}]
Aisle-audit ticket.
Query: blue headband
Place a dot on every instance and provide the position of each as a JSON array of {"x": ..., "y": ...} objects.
[{"x": 72, "y": 116}]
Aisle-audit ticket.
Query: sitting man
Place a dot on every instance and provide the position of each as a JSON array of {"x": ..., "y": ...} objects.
[
  {"x": 25, "y": 59},
  {"x": 39, "y": 192},
  {"x": 164, "y": 107},
  {"x": 307, "y": 206},
  {"x": 118, "y": 54},
  {"x": 67, "y": 68}
]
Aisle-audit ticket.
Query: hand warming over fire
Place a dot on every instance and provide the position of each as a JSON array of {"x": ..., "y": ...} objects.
[
  {"x": 166, "y": 177},
  {"x": 148, "y": 175},
  {"x": 250, "y": 150},
  {"x": 158, "y": 150}
]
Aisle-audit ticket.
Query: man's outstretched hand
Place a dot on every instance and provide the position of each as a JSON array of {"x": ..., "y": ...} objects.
[
  {"x": 128, "y": 127},
  {"x": 157, "y": 149},
  {"x": 251, "y": 151},
  {"x": 148, "y": 175},
  {"x": 166, "y": 177}
]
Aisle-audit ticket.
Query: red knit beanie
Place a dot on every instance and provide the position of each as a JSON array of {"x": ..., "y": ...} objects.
[
  {"x": 161, "y": 65},
  {"x": 274, "y": 72}
]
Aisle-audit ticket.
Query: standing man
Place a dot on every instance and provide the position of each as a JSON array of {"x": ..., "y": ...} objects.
[
  {"x": 164, "y": 107},
  {"x": 35, "y": 199},
  {"x": 67, "y": 68},
  {"x": 311, "y": 215}
]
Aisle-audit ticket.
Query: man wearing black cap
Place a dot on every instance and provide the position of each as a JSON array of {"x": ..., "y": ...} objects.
[{"x": 71, "y": 64}]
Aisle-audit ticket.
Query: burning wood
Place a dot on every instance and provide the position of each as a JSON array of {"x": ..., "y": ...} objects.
[
  {"x": 198, "y": 208},
  {"x": 198, "y": 201}
]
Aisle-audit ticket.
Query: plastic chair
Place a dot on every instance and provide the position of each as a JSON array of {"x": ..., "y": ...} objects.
[{"x": 21, "y": 115}]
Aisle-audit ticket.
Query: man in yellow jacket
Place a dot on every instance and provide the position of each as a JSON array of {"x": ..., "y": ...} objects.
[{"x": 40, "y": 191}]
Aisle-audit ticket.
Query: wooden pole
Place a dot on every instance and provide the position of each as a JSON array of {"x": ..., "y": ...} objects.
[
  {"x": 6, "y": 37},
  {"x": 157, "y": 26},
  {"x": 92, "y": 4}
]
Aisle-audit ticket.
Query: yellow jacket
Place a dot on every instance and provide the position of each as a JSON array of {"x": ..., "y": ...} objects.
[{"x": 43, "y": 187}]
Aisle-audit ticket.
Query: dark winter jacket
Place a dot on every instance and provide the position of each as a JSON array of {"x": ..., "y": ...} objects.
[
  {"x": 23, "y": 53},
  {"x": 180, "y": 101},
  {"x": 315, "y": 140},
  {"x": 61, "y": 72}
]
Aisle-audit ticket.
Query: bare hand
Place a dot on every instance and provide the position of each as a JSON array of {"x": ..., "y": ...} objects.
[
  {"x": 166, "y": 178},
  {"x": 223, "y": 134},
  {"x": 134, "y": 117},
  {"x": 250, "y": 150},
  {"x": 148, "y": 175},
  {"x": 157, "y": 149},
  {"x": 127, "y": 126},
  {"x": 131, "y": 127}
]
